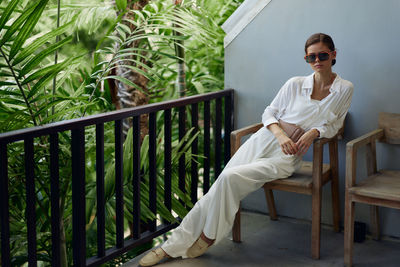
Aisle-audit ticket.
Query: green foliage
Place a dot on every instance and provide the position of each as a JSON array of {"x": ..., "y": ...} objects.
[
  {"x": 154, "y": 31},
  {"x": 121, "y": 4},
  {"x": 92, "y": 42},
  {"x": 204, "y": 50},
  {"x": 26, "y": 70}
]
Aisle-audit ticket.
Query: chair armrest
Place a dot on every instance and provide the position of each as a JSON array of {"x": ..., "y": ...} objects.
[
  {"x": 237, "y": 135},
  {"x": 323, "y": 141},
  {"x": 351, "y": 153},
  {"x": 364, "y": 139}
]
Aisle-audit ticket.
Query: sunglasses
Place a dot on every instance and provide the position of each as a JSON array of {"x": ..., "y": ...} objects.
[{"x": 311, "y": 58}]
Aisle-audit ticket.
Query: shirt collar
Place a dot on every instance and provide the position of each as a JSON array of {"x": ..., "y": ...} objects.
[{"x": 308, "y": 83}]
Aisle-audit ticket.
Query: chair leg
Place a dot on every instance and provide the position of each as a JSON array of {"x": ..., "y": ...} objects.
[
  {"x": 375, "y": 226},
  {"x": 348, "y": 231},
  {"x": 316, "y": 223},
  {"x": 333, "y": 158},
  {"x": 236, "y": 228},
  {"x": 335, "y": 204},
  {"x": 269, "y": 196}
]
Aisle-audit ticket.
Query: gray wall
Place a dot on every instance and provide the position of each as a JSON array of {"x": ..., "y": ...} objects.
[{"x": 270, "y": 50}]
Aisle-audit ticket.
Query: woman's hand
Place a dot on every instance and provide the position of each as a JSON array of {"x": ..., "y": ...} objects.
[
  {"x": 305, "y": 141},
  {"x": 287, "y": 145}
]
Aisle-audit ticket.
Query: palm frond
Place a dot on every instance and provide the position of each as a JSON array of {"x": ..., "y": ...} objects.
[
  {"x": 7, "y": 13},
  {"x": 31, "y": 48},
  {"x": 17, "y": 23},
  {"x": 26, "y": 29},
  {"x": 89, "y": 15}
]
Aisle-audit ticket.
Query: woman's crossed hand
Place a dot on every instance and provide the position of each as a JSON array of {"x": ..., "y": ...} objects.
[
  {"x": 288, "y": 146},
  {"x": 305, "y": 141}
]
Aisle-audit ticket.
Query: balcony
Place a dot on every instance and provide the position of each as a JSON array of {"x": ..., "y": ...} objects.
[
  {"x": 286, "y": 243},
  {"x": 274, "y": 243}
]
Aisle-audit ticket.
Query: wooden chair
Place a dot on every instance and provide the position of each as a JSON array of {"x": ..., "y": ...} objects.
[
  {"x": 379, "y": 188},
  {"x": 308, "y": 180}
]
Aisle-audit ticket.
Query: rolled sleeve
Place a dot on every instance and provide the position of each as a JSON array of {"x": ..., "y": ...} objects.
[
  {"x": 276, "y": 108},
  {"x": 268, "y": 117}
]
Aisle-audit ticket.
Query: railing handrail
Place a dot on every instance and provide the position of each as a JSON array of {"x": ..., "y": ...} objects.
[{"x": 66, "y": 125}]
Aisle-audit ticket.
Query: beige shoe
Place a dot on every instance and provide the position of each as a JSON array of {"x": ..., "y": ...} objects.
[
  {"x": 197, "y": 249},
  {"x": 153, "y": 257}
]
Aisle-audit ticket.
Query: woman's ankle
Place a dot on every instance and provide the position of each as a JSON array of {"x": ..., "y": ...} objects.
[
  {"x": 165, "y": 252},
  {"x": 208, "y": 240}
]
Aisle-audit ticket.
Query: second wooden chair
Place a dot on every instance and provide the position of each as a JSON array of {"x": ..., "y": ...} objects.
[{"x": 379, "y": 187}]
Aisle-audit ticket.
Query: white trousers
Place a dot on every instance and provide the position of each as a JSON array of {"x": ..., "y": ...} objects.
[{"x": 259, "y": 160}]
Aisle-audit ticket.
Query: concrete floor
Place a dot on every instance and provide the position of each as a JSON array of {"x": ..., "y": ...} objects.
[{"x": 286, "y": 242}]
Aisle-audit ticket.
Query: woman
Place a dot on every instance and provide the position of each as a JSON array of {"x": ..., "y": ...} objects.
[{"x": 317, "y": 103}]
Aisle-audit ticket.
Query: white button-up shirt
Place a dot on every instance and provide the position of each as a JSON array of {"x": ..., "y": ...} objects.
[{"x": 293, "y": 104}]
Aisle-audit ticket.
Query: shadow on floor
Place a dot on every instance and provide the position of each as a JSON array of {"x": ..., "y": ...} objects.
[{"x": 286, "y": 242}]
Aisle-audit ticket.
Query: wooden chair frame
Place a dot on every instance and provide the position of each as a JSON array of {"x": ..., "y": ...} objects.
[
  {"x": 370, "y": 190},
  {"x": 309, "y": 180}
]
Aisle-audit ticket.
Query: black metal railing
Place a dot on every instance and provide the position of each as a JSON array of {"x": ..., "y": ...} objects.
[{"x": 77, "y": 129}]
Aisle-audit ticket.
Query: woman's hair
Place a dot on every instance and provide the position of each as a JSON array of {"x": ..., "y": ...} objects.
[{"x": 323, "y": 38}]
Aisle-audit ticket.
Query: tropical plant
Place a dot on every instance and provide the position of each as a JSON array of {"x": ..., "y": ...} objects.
[{"x": 35, "y": 90}]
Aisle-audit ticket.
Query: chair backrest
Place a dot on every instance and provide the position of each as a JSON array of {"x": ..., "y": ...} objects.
[{"x": 390, "y": 123}]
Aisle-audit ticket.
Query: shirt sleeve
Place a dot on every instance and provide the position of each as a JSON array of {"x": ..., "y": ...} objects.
[
  {"x": 273, "y": 112},
  {"x": 329, "y": 130}
]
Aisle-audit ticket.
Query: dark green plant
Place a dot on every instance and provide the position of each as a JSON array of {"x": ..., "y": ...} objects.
[{"x": 27, "y": 96}]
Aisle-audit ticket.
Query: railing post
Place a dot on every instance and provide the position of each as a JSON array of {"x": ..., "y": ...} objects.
[
  {"x": 217, "y": 141},
  {"x": 206, "y": 163},
  {"x": 152, "y": 169},
  {"x": 167, "y": 159},
  {"x": 55, "y": 201},
  {"x": 78, "y": 197},
  {"x": 4, "y": 207},
  {"x": 30, "y": 201},
  {"x": 136, "y": 176},
  {"x": 193, "y": 164},
  {"x": 119, "y": 191},
  {"x": 181, "y": 166},
  {"x": 100, "y": 207}
]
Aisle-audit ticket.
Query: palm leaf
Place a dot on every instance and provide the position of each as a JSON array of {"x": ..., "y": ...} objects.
[
  {"x": 110, "y": 30},
  {"x": 50, "y": 97},
  {"x": 16, "y": 24},
  {"x": 48, "y": 106},
  {"x": 7, "y": 92},
  {"x": 35, "y": 61},
  {"x": 53, "y": 69},
  {"x": 7, "y": 13},
  {"x": 121, "y": 4},
  {"x": 124, "y": 80},
  {"x": 26, "y": 30},
  {"x": 17, "y": 119},
  {"x": 27, "y": 51},
  {"x": 136, "y": 69},
  {"x": 62, "y": 114},
  {"x": 3, "y": 83}
]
